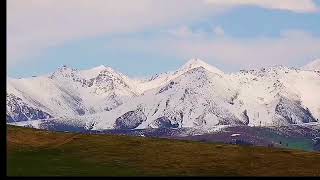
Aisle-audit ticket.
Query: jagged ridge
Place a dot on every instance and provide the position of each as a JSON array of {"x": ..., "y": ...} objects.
[{"x": 196, "y": 95}]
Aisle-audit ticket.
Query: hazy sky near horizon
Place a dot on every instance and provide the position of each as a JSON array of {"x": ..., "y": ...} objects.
[{"x": 144, "y": 37}]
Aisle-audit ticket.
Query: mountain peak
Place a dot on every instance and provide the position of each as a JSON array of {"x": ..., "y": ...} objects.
[
  {"x": 94, "y": 72},
  {"x": 313, "y": 65},
  {"x": 195, "y": 63},
  {"x": 64, "y": 67},
  {"x": 101, "y": 67},
  {"x": 63, "y": 71}
]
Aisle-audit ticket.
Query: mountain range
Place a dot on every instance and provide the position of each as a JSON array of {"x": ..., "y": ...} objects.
[{"x": 197, "y": 95}]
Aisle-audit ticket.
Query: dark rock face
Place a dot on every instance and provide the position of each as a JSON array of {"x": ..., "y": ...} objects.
[
  {"x": 232, "y": 120},
  {"x": 9, "y": 118},
  {"x": 316, "y": 146},
  {"x": 74, "y": 101},
  {"x": 241, "y": 142},
  {"x": 71, "y": 74},
  {"x": 61, "y": 126},
  {"x": 17, "y": 110},
  {"x": 165, "y": 88},
  {"x": 246, "y": 117},
  {"x": 109, "y": 81},
  {"x": 130, "y": 120},
  {"x": 80, "y": 111},
  {"x": 164, "y": 122},
  {"x": 293, "y": 112}
]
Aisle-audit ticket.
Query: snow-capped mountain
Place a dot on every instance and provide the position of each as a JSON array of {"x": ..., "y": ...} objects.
[
  {"x": 17, "y": 110},
  {"x": 69, "y": 93},
  {"x": 160, "y": 79},
  {"x": 196, "y": 95},
  {"x": 313, "y": 66}
]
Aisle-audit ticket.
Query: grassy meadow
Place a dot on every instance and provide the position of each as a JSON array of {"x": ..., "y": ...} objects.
[{"x": 33, "y": 152}]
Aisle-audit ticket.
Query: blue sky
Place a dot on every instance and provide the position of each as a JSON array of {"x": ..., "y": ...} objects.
[{"x": 140, "y": 39}]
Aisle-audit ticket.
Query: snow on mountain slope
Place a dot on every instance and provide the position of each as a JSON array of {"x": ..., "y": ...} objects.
[
  {"x": 195, "y": 63},
  {"x": 161, "y": 79},
  {"x": 314, "y": 65},
  {"x": 45, "y": 94},
  {"x": 307, "y": 85},
  {"x": 268, "y": 89},
  {"x": 111, "y": 90},
  {"x": 196, "y": 98},
  {"x": 203, "y": 99},
  {"x": 92, "y": 73},
  {"x": 69, "y": 93},
  {"x": 196, "y": 95},
  {"x": 20, "y": 111}
]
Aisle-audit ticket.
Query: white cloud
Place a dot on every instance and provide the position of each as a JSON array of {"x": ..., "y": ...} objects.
[
  {"x": 35, "y": 25},
  {"x": 218, "y": 30},
  {"x": 186, "y": 32},
  {"x": 300, "y": 6},
  {"x": 181, "y": 32},
  {"x": 290, "y": 48}
]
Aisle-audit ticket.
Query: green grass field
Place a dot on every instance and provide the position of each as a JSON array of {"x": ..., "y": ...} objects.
[{"x": 33, "y": 152}]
